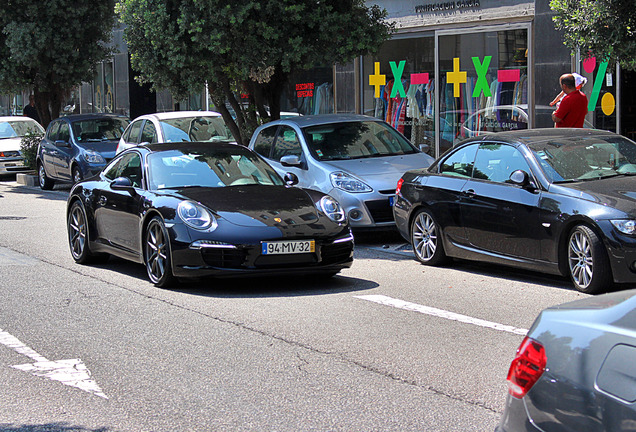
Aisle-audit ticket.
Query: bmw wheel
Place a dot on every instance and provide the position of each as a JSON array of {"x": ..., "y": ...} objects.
[
  {"x": 77, "y": 227},
  {"x": 45, "y": 182},
  {"x": 157, "y": 255},
  {"x": 587, "y": 261},
  {"x": 426, "y": 239}
]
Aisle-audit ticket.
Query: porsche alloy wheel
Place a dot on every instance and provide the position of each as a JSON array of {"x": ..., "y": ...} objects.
[
  {"x": 157, "y": 254},
  {"x": 587, "y": 261},
  {"x": 77, "y": 227},
  {"x": 426, "y": 240}
]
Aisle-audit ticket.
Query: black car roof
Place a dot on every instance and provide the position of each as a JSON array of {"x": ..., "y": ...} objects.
[{"x": 533, "y": 136}]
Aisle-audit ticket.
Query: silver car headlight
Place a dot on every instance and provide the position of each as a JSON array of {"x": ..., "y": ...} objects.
[
  {"x": 626, "y": 226},
  {"x": 196, "y": 216},
  {"x": 332, "y": 209},
  {"x": 93, "y": 157},
  {"x": 348, "y": 183}
]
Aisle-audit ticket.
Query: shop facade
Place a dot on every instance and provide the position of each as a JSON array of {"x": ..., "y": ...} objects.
[{"x": 455, "y": 69}]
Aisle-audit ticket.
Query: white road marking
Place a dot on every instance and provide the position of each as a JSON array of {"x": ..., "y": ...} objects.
[
  {"x": 72, "y": 372},
  {"x": 440, "y": 313}
]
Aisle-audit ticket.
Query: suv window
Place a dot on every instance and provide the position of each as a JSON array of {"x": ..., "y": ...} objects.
[
  {"x": 52, "y": 133},
  {"x": 264, "y": 140},
  {"x": 287, "y": 143},
  {"x": 149, "y": 133},
  {"x": 64, "y": 134},
  {"x": 132, "y": 134}
]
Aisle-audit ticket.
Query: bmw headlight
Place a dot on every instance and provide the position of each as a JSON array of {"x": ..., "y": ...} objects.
[
  {"x": 196, "y": 216},
  {"x": 91, "y": 156},
  {"x": 348, "y": 183},
  {"x": 626, "y": 226},
  {"x": 332, "y": 209}
]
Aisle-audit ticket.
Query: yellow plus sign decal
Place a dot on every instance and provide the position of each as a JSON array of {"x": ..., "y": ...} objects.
[
  {"x": 377, "y": 80},
  {"x": 456, "y": 77}
]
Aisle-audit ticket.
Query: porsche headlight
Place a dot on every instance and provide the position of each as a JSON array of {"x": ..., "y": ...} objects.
[
  {"x": 348, "y": 183},
  {"x": 196, "y": 216},
  {"x": 93, "y": 157},
  {"x": 626, "y": 226},
  {"x": 332, "y": 209}
]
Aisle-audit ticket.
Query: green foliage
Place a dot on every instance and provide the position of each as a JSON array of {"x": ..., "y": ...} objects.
[
  {"x": 52, "y": 46},
  {"x": 244, "y": 46},
  {"x": 601, "y": 28},
  {"x": 29, "y": 148}
]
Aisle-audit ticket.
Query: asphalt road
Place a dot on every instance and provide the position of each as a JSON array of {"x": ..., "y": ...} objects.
[{"x": 388, "y": 345}]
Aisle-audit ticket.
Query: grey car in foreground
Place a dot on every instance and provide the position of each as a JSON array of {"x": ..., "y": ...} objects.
[
  {"x": 354, "y": 158},
  {"x": 576, "y": 369}
]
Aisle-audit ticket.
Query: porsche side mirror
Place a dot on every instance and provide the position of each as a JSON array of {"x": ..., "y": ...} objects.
[
  {"x": 123, "y": 184},
  {"x": 424, "y": 148},
  {"x": 291, "y": 179}
]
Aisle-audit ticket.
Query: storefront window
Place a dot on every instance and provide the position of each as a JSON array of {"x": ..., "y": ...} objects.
[
  {"x": 309, "y": 92},
  {"x": 601, "y": 92},
  {"x": 484, "y": 84},
  {"x": 400, "y": 88}
]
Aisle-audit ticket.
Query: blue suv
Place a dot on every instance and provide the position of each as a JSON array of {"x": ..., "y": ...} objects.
[{"x": 78, "y": 146}]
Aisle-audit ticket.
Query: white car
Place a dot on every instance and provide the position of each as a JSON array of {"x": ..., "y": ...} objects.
[
  {"x": 12, "y": 129},
  {"x": 175, "y": 126}
]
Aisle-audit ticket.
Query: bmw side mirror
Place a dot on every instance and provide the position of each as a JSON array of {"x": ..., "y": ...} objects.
[
  {"x": 123, "y": 184},
  {"x": 290, "y": 161},
  {"x": 291, "y": 179},
  {"x": 522, "y": 178}
]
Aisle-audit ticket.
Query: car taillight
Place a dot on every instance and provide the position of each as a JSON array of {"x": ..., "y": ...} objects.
[
  {"x": 399, "y": 186},
  {"x": 526, "y": 368}
]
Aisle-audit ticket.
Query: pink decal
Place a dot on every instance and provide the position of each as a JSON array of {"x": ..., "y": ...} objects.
[
  {"x": 589, "y": 64},
  {"x": 509, "y": 75},
  {"x": 419, "y": 78}
]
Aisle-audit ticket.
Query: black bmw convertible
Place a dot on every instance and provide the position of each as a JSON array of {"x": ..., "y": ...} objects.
[{"x": 196, "y": 209}]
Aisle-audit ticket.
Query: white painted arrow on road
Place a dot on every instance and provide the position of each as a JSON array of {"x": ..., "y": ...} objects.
[{"x": 72, "y": 373}]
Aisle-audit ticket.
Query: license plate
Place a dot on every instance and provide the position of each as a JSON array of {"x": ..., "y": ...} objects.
[
  {"x": 391, "y": 200},
  {"x": 288, "y": 247}
]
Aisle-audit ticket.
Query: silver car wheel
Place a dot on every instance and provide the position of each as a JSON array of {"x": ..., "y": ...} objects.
[
  {"x": 580, "y": 259},
  {"x": 424, "y": 236}
]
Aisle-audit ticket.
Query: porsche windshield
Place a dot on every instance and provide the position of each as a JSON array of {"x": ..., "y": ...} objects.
[
  {"x": 586, "y": 158},
  {"x": 355, "y": 140},
  {"x": 222, "y": 167}
]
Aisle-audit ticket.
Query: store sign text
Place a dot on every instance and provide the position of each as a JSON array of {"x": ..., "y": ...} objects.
[
  {"x": 447, "y": 6},
  {"x": 305, "y": 90},
  {"x": 455, "y": 77}
]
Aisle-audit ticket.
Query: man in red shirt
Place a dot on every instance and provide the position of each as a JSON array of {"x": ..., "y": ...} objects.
[{"x": 573, "y": 108}]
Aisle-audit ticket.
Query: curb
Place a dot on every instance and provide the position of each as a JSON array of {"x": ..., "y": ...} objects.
[{"x": 26, "y": 179}]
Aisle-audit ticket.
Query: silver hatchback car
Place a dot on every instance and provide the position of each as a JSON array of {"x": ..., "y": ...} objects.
[{"x": 356, "y": 159}]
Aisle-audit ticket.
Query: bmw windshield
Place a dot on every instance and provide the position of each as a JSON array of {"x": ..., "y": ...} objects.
[
  {"x": 586, "y": 158},
  {"x": 355, "y": 140}
]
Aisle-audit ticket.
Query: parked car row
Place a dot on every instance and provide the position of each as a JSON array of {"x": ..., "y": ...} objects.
[{"x": 559, "y": 201}]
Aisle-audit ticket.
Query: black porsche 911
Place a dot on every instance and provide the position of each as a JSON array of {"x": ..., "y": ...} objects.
[
  {"x": 560, "y": 201},
  {"x": 201, "y": 209}
]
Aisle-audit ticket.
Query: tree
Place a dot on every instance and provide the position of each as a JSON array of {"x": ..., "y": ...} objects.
[
  {"x": 599, "y": 28},
  {"x": 52, "y": 46},
  {"x": 244, "y": 47}
]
